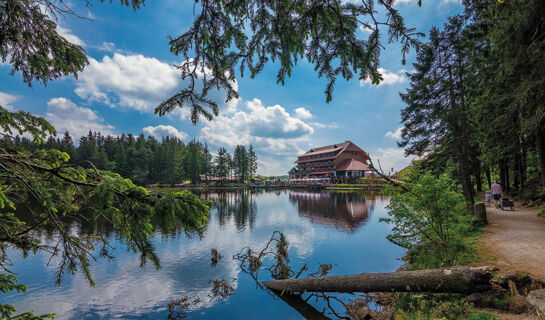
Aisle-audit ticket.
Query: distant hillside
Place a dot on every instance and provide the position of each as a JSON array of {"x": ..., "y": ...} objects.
[{"x": 405, "y": 171}]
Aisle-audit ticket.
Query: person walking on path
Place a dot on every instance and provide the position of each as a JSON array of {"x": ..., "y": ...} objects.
[{"x": 496, "y": 192}]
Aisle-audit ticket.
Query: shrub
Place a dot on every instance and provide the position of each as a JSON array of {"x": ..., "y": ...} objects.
[{"x": 430, "y": 221}]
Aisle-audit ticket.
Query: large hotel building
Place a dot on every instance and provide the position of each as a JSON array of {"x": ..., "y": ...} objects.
[{"x": 337, "y": 161}]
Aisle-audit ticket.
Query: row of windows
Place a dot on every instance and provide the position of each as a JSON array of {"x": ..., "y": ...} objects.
[
  {"x": 319, "y": 163},
  {"x": 316, "y": 156}
]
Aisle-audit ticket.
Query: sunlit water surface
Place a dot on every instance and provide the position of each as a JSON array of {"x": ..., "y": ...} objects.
[{"x": 321, "y": 227}]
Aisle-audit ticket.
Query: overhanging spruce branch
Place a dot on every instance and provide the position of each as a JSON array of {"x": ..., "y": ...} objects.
[{"x": 248, "y": 35}]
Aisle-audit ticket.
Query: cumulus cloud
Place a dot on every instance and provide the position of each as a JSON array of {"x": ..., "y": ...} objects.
[
  {"x": 388, "y": 77},
  {"x": 162, "y": 131},
  {"x": 390, "y": 158},
  {"x": 132, "y": 81},
  {"x": 303, "y": 113},
  {"x": 65, "y": 115},
  {"x": 136, "y": 82},
  {"x": 68, "y": 35},
  {"x": 394, "y": 135},
  {"x": 274, "y": 133},
  {"x": 107, "y": 46},
  {"x": 6, "y": 99}
]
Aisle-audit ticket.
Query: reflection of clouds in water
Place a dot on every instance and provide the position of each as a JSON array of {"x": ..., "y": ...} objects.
[
  {"x": 283, "y": 217},
  {"x": 125, "y": 291}
]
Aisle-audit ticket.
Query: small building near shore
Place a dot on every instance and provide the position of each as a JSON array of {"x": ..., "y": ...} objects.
[{"x": 337, "y": 161}]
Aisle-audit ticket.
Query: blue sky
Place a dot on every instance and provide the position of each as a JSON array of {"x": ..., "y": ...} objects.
[{"x": 131, "y": 71}]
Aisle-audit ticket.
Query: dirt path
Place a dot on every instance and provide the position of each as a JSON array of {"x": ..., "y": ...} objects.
[{"x": 517, "y": 240}]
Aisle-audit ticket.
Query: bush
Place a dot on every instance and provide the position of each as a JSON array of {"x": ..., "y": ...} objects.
[{"x": 430, "y": 221}]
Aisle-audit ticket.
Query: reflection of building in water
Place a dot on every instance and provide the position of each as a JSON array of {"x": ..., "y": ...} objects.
[
  {"x": 346, "y": 211},
  {"x": 238, "y": 204}
]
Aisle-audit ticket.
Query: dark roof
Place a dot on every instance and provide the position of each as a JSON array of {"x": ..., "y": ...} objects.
[
  {"x": 345, "y": 146},
  {"x": 326, "y": 149},
  {"x": 352, "y": 165}
]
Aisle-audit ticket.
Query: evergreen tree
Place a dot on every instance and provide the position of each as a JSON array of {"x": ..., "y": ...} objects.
[
  {"x": 436, "y": 114},
  {"x": 222, "y": 163},
  {"x": 241, "y": 163},
  {"x": 252, "y": 162}
]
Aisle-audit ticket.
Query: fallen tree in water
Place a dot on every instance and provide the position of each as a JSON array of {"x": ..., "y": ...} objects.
[{"x": 448, "y": 280}]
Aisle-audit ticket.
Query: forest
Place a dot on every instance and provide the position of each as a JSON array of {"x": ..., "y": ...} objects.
[
  {"x": 476, "y": 98},
  {"x": 146, "y": 160}
]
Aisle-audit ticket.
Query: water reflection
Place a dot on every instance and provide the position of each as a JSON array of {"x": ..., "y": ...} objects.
[
  {"x": 321, "y": 227},
  {"x": 239, "y": 204},
  {"x": 344, "y": 211}
]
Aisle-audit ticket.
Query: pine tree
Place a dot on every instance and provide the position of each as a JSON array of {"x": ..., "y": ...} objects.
[
  {"x": 241, "y": 163},
  {"x": 252, "y": 162}
]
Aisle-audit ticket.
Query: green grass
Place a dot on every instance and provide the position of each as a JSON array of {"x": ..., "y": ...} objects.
[{"x": 411, "y": 306}]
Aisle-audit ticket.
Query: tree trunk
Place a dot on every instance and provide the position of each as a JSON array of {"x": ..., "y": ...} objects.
[
  {"x": 540, "y": 143},
  {"x": 462, "y": 154},
  {"x": 453, "y": 280},
  {"x": 507, "y": 177},
  {"x": 517, "y": 172},
  {"x": 502, "y": 173},
  {"x": 488, "y": 177},
  {"x": 478, "y": 180},
  {"x": 479, "y": 210},
  {"x": 296, "y": 302},
  {"x": 523, "y": 165}
]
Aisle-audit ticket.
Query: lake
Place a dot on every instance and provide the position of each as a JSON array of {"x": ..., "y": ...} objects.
[{"x": 321, "y": 227}]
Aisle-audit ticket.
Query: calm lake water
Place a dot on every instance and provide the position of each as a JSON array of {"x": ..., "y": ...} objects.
[{"x": 321, "y": 227}]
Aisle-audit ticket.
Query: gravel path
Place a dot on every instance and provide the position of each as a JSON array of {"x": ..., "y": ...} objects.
[{"x": 517, "y": 239}]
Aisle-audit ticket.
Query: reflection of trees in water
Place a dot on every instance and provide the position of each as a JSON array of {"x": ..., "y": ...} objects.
[
  {"x": 345, "y": 211},
  {"x": 238, "y": 204},
  {"x": 84, "y": 224}
]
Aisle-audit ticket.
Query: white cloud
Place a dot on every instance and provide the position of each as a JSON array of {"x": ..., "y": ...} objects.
[
  {"x": 162, "y": 131},
  {"x": 132, "y": 81},
  {"x": 107, "y": 46},
  {"x": 65, "y": 115},
  {"x": 403, "y": 1},
  {"x": 303, "y": 113},
  {"x": 138, "y": 82},
  {"x": 365, "y": 29},
  {"x": 388, "y": 77},
  {"x": 390, "y": 158},
  {"x": 68, "y": 35},
  {"x": 275, "y": 134},
  {"x": 6, "y": 99},
  {"x": 394, "y": 135}
]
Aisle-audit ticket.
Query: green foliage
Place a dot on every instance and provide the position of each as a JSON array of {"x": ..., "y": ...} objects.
[
  {"x": 430, "y": 221},
  {"x": 20, "y": 122},
  {"x": 404, "y": 172},
  {"x": 8, "y": 283},
  {"x": 144, "y": 160},
  {"x": 40, "y": 190},
  {"x": 250, "y": 34},
  {"x": 411, "y": 306},
  {"x": 31, "y": 44},
  {"x": 244, "y": 163},
  {"x": 476, "y": 96}
]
